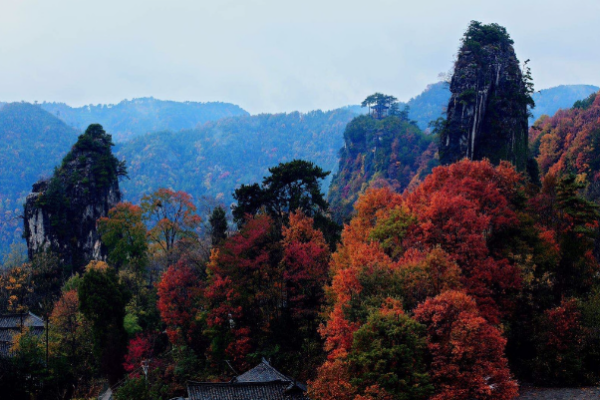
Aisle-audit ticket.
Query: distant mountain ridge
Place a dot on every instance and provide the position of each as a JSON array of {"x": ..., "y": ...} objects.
[
  {"x": 549, "y": 101},
  {"x": 132, "y": 118}
]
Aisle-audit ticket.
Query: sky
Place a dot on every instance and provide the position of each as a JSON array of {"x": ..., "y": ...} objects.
[{"x": 273, "y": 55}]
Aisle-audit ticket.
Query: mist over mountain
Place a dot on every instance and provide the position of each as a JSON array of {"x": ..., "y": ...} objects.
[{"x": 131, "y": 118}]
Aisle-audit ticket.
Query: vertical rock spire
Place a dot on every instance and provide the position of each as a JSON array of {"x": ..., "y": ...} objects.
[
  {"x": 487, "y": 113},
  {"x": 61, "y": 212}
]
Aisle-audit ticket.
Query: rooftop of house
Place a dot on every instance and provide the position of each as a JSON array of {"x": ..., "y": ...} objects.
[
  {"x": 262, "y": 382},
  {"x": 11, "y": 324},
  {"x": 14, "y": 321}
]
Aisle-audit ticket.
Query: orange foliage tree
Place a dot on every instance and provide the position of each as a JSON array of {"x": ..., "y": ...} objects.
[
  {"x": 443, "y": 235},
  {"x": 16, "y": 287},
  {"x": 462, "y": 229},
  {"x": 171, "y": 217}
]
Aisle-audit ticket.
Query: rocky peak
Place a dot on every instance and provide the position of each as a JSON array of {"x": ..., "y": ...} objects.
[
  {"x": 61, "y": 212},
  {"x": 488, "y": 110}
]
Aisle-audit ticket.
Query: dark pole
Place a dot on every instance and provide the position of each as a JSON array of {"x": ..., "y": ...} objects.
[{"x": 46, "y": 340}]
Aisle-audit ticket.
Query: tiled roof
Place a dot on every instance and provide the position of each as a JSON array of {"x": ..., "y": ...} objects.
[
  {"x": 14, "y": 321},
  {"x": 262, "y": 382},
  {"x": 10, "y": 325},
  {"x": 263, "y": 372},
  {"x": 275, "y": 390}
]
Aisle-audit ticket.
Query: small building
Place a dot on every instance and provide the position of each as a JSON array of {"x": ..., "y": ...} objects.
[
  {"x": 262, "y": 382},
  {"x": 12, "y": 324}
]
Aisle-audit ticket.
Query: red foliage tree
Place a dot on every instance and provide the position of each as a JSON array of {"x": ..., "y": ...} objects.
[
  {"x": 467, "y": 351},
  {"x": 264, "y": 285},
  {"x": 305, "y": 266},
  {"x": 561, "y": 343},
  {"x": 462, "y": 208},
  {"x": 180, "y": 294},
  {"x": 245, "y": 290},
  {"x": 138, "y": 350}
]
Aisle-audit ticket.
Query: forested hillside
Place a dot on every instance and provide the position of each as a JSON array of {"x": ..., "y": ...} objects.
[
  {"x": 569, "y": 143},
  {"x": 380, "y": 149},
  {"x": 131, "y": 118},
  {"x": 32, "y": 142},
  {"x": 213, "y": 159}
]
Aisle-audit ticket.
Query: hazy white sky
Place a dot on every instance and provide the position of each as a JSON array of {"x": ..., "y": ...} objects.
[{"x": 273, "y": 55}]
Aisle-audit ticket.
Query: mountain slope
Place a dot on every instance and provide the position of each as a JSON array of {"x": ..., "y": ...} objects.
[
  {"x": 569, "y": 142},
  {"x": 214, "y": 159},
  {"x": 549, "y": 101},
  {"x": 131, "y": 118},
  {"x": 430, "y": 104},
  {"x": 32, "y": 142}
]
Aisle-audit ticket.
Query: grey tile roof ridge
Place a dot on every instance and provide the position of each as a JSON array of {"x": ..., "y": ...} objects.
[
  {"x": 248, "y": 375},
  {"x": 36, "y": 317},
  {"x": 29, "y": 319},
  {"x": 266, "y": 383}
]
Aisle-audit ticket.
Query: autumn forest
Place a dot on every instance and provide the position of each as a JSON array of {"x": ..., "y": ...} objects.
[{"x": 460, "y": 261}]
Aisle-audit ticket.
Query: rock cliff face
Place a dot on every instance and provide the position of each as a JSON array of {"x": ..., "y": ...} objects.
[
  {"x": 487, "y": 113},
  {"x": 61, "y": 212}
]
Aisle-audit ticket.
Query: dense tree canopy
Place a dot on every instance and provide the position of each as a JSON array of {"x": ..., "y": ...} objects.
[
  {"x": 102, "y": 302},
  {"x": 290, "y": 187},
  {"x": 124, "y": 234},
  {"x": 379, "y": 152}
]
